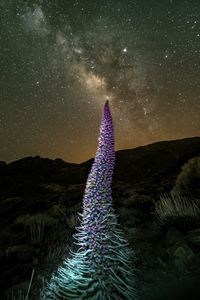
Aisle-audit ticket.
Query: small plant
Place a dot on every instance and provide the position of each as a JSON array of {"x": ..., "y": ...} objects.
[
  {"x": 36, "y": 225},
  {"x": 72, "y": 219},
  {"x": 70, "y": 216},
  {"x": 177, "y": 208},
  {"x": 19, "y": 294},
  {"x": 57, "y": 248}
]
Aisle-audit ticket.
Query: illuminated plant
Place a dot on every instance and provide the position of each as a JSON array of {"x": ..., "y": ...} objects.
[{"x": 102, "y": 267}]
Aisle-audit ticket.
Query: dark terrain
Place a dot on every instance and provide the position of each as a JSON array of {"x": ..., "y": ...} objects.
[{"x": 39, "y": 200}]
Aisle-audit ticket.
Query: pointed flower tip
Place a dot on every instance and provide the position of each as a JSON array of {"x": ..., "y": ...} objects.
[
  {"x": 106, "y": 107},
  {"x": 106, "y": 103}
]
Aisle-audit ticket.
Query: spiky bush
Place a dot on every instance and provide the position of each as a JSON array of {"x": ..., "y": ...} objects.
[
  {"x": 188, "y": 181},
  {"x": 102, "y": 267},
  {"x": 178, "y": 209},
  {"x": 36, "y": 226}
]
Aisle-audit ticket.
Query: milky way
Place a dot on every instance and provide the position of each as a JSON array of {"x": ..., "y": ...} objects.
[{"x": 61, "y": 60}]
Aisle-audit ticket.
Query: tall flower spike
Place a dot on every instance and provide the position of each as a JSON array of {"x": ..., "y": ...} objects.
[{"x": 102, "y": 268}]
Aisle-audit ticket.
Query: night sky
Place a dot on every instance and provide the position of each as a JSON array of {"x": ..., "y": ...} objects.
[{"x": 60, "y": 60}]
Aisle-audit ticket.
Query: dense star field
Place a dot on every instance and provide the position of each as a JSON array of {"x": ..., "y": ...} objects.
[{"x": 60, "y": 60}]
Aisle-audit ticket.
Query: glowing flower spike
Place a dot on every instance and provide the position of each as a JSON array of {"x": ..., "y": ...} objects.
[{"x": 102, "y": 267}]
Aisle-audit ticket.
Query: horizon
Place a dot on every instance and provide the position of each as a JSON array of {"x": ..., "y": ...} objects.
[{"x": 84, "y": 161}]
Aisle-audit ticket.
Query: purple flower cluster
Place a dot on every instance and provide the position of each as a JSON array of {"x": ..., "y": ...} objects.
[{"x": 102, "y": 267}]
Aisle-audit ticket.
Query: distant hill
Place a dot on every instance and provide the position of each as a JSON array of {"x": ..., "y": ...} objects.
[
  {"x": 158, "y": 159},
  {"x": 154, "y": 163}
]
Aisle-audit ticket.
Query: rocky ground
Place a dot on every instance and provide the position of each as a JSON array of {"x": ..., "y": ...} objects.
[{"x": 39, "y": 201}]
